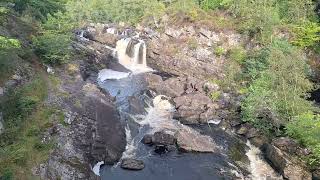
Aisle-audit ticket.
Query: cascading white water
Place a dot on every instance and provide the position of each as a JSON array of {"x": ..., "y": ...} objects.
[
  {"x": 260, "y": 169},
  {"x": 132, "y": 54}
]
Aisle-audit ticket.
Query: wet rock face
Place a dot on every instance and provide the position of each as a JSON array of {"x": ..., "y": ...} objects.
[
  {"x": 92, "y": 133},
  {"x": 107, "y": 133},
  {"x": 288, "y": 166},
  {"x": 132, "y": 164}
]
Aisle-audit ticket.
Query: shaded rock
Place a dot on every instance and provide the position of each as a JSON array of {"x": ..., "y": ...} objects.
[
  {"x": 132, "y": 164},
  {"x": 135, "y": 105},
  {"x": 243, "y": 129},
  {"x": 1, "y": 123},
  {"x": 194, "y": 108},
  {"x": 172, "y": 87},
  {"x": 286, "y": 144},
  {"x": 316, "y": 174},
  {"x": 288, "y": 166},
  {"x": 259, "y": 140},
  {"x": 253, "y": 132},
  {"x": 1, "y": 91},
  {"x": 235, "y": 122},
  {"x": 191, "y": 141},
  {"x": 109, "y": 136},
  {"x": 194, "y": 85},
  {"x": 160, "y": 149},
  {"x": 303, "y": 151},
  {"x": 147, "y": 139},
  {"x": 163, "y": 138}
]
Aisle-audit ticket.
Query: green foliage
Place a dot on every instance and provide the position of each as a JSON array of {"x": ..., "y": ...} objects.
[
  {"x": 219, "y": 51},
  {"x": 215, "y": 95},
  {"x": 278, "y": 92},
  {"x": 53, "y": 48},
  {"x": 25, "y": 118},
  {"x": 3, "y": 11},
  {"x": 295, "y": 11},
  {"x": 8, "y": 43},
  {"x": 20, "y": 103},
  {"x": 38, "y": 9},
  {"x": 259, "y": 18},
  {"x": 306, "y": 35},
  {"x": 7, "y": 175},
  {"x": 214, "y": 4},
  {"x": 129, "y": 11},
  {"x": 237, "y": 54},
  {"x": 306, "y": 128}
]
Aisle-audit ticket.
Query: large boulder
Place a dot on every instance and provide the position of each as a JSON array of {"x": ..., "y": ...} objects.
[
  {"x": 132, "y": 164},
  {"x": 107, "y": 134},
  {"x": 288, "y": 166},
  {"x": 95, "y": 134},
  {"x": 286, "y": 144},
  {"x": 194, "y": 108},
  {"x": 172, "y": 87},
  {"x": 163, "y": 138},
  {"x": 191, "y": 141}
]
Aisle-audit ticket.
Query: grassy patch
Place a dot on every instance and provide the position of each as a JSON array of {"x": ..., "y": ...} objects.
[
  {"x": 26, "y": 118},
  {"x": 215, "y": 95}
]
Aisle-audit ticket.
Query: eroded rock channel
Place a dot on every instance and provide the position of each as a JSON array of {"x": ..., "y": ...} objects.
[{"x": 173, "y": 129}]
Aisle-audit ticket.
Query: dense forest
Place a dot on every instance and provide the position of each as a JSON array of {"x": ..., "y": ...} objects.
[{"x": 274, "y": 73}]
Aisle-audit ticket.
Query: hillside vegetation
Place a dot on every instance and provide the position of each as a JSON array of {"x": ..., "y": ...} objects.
[{"x": 272, "y": 72}]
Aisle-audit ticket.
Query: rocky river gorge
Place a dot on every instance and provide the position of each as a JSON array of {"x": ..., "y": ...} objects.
[{"x": 144, "y": 112}]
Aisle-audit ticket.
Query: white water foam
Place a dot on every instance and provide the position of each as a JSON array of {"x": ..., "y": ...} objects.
[
  {"x": 130, "y": 147},
  {"x": 106, "y": 74},
  {"x": 96, "y": 168},
  {"x": 260, "y": 169}
]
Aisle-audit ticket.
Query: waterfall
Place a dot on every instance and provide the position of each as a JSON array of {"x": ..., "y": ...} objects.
[
  {"x": 132, "y": 54},
  {"x": 260, "y": 169}
]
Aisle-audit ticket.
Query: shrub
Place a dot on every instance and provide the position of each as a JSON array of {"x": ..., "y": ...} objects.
[
  {"x": 215, "y": 95},
  {"x": 7, "y": 175},
  {"x": 53, "y": 48},
  {"x": 306, "y": 128},
  {"x": 214, "y": 4},
  {"x": 219, "y": 51},
  {"x": 278, "y": 92},
  {"x": 237, "y": 54},
  {"x": 39, "y": 9},
  {"x": 8, "y": 43},
  {"x": 306, "y": 35}
]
